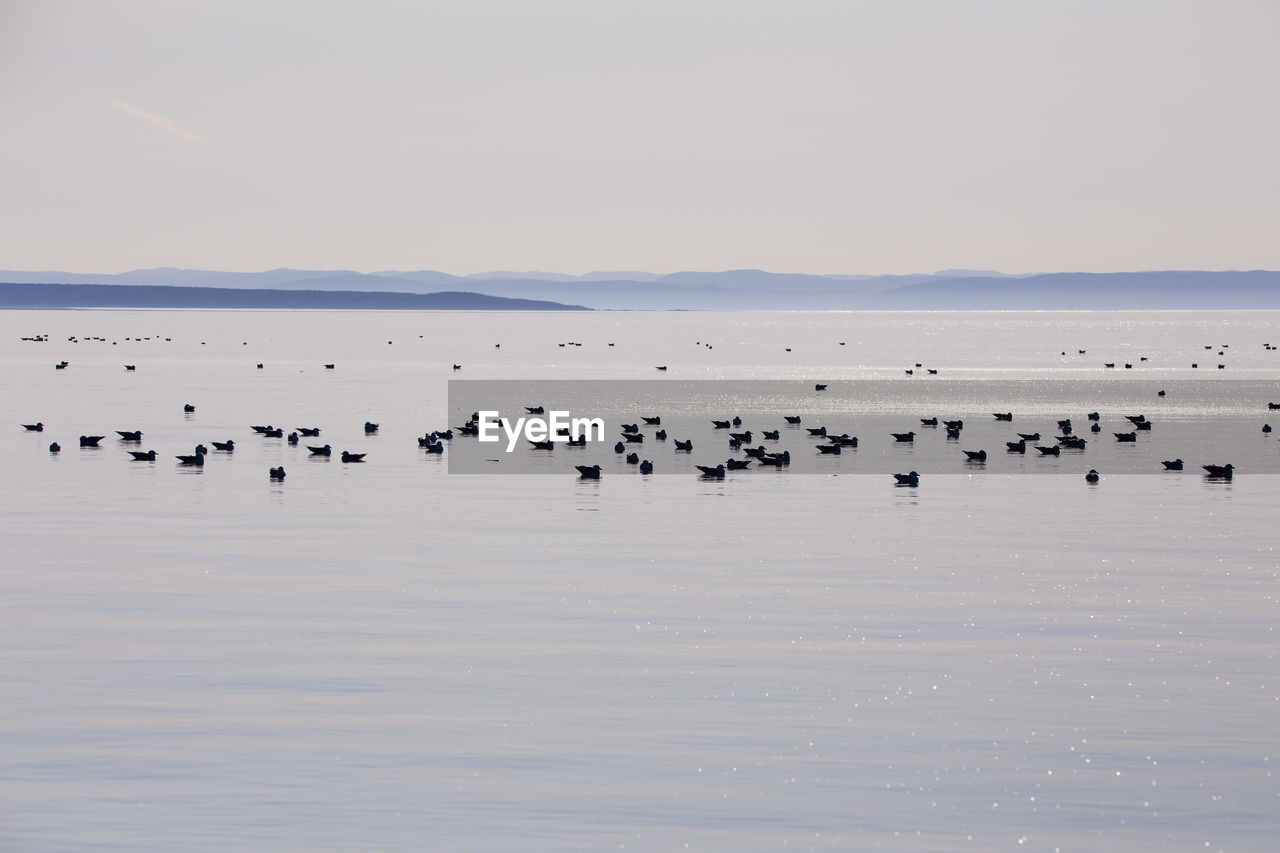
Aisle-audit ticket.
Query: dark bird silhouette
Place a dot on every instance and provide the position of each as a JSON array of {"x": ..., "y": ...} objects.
[
  {"x": 309, "y": 431},
  {"x": 1029, "y": 436},
  {"x": 662, "y": 367},
  {"x": 910, "y": 372},
  {"x": 1143, "y": 426},
  {"x": 228, "y": 445},
  {"x": 196, "y": 458},
  {"x": 660, "y": 435},
  {"x": 90, "y": 440},
  {"x": 646, "y": 467},
  {"x": 135, "y": 367},
  {"x": 633, "y": 458},
  {"x": 188, "y": 408},
  {"x": 619, "y": 448},
  {"x": 912, "y": 479},
  {"x": 328, "y": 367},
  {"x": 262, "y": 430},
  {"x": 1071, "y": 442},
  {"x": 654, "y": 421},
  {"x": 1092, "y": 476},
  {"x": 630, "y": 428},
  {"x": 1266, "y": 428},
  {"x": 1065, "y": 426},
  {"x": 1050, "y": 451},
  {"x": 543, "y": 445},
  {"x": 632, "y": 437},
  {"x": 1223, "y": 471},
  {"x": 831, "y": 449},
  {"x": 129, "y": 435},
  {"x": 721, "y": 424},
  {"x": 276, "y": 473},
  {"x": 535, "y": 410},
  {"x": 1006, "y": 416},
  {"x": 62, "y": 365},
  {"x": 1135, "y": 419},
  {"x": 1093, "y": 416},
  {"x": 930, "y": 422},
  {"x": 953, "y": 424},
  {"x": 737, "y": 464},
  {"x": 791, "y": 419},
  {"x": 708, "y": 471},
  {"x": 55, "y": 447},
  {"x": 293, "y": 438},
  {"x": 34, "y": 427},
  {"x": 140, "y": 456},
  {"x": 816, "y": 430},
  {"x": 953, "y": 432},
  {"x": 1174, "y": 465},
  {"x": 352, "y": 457},
  {"x": 1019, "y": 446},
  {"x": 976, "y": 455},
  {"x": 686, "y": 446},
  {"x": 588, "y": 472},
  {"x": 438, "y": 448},
  {"x": 772, "y": 434},
  {"x": 742, "y": 436},
  {"x": 370, "y": 428},
  {"x": 737, "y": 421},
  {"x": 1095, "y": 428},
  {"x": 320, "y": 451},
  {"x": 843, "y": 440},
  {"x": 1126, "y": 436},
  {"x": 903, "y": 436},
  {"x": 819, "y": 387}
]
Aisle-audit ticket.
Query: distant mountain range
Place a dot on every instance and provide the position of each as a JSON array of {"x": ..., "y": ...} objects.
[{"x": 718, "y": 291}]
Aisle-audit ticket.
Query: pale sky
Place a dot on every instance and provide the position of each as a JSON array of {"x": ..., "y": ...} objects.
[{"x": 576, "y": 135}]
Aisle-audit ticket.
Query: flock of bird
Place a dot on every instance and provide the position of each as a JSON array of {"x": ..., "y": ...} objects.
[
  {"x": 197, "y": 456},
  {"x": 739, "y": 441},
  {"x": 828, "y": 444}
]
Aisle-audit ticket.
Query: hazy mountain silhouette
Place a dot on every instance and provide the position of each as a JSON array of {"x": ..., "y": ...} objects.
[
  {"x": 40, "y": 295},
  {"x": 747, "y": 289}
]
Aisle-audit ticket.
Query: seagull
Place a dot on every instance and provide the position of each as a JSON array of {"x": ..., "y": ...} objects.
[
  {"x": 1175, "y": 465},
  {"x": 228, "y": 445},
  {"x": 352, "y": 457},
  {"x": 976, "y": 455},
  {"x": 1092, "y": 476},
  {"x": 912, "y": 479},
  {"x": 276, "y": 473},
  {"x": 646, "y": 467},
  {"x": 139, "y": 456},
  {"x": 128, "y": 435},
  {"x": 588, "y": 472},
  {"x": 904, "y": 436},
  {"x": 90, "y": 440},
  {"x": 708, "y": 471},
  {"x": 1223, "y": 471},
  {"x": 320, "y": 451},
  {"x": 34, "y": 427}
]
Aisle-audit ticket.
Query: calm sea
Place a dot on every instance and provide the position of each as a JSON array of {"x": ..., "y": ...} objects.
[{"x": 387, "y": 656}]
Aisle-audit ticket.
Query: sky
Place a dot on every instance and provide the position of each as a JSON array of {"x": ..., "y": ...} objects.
[{"x": 577, "y": 135}]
